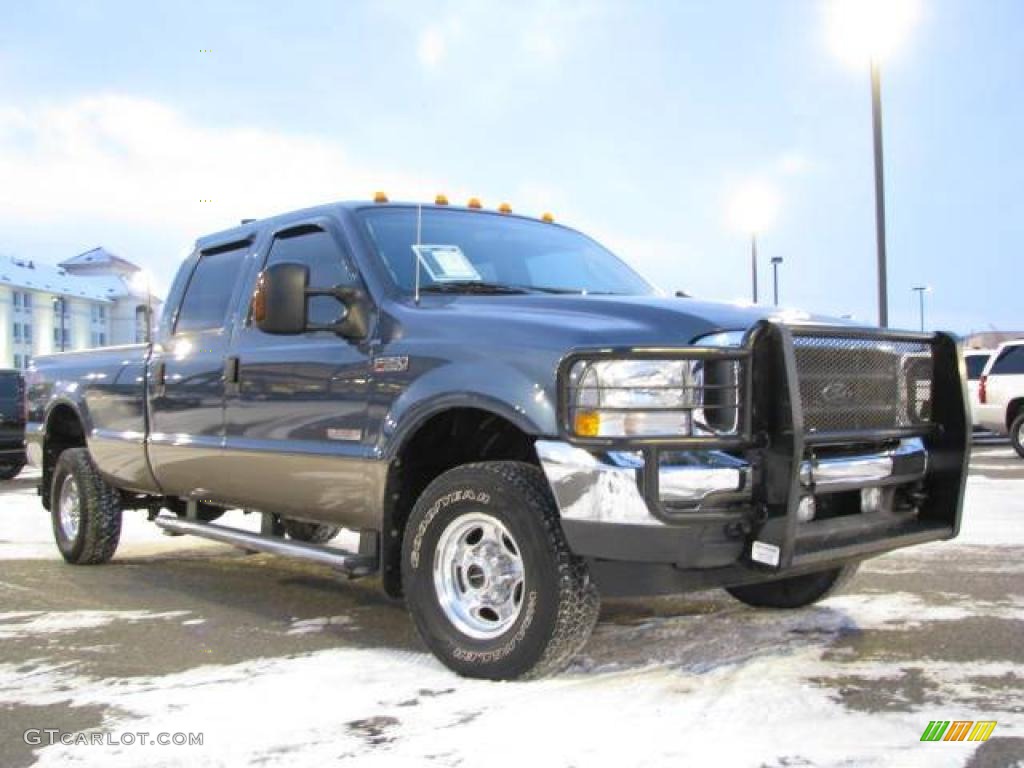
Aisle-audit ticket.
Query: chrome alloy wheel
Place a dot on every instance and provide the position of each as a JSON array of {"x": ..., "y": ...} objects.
[
  {"x": 70, "y": 516},
  {"x": 479, "y": 575}
]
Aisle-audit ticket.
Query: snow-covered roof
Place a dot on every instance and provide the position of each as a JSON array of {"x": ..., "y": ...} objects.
[
  {"x": 98, "y": 257},
  {"x": 24, "y": 273}
]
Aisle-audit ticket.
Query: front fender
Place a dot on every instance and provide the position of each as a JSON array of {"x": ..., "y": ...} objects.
[{"x": 499, "y": 389}]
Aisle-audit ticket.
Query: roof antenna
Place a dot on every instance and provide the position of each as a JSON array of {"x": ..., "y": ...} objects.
[{"x": 416, "y": 251}]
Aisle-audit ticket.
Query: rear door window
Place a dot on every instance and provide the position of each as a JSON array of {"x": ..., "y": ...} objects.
[
  {"x": 1011, "y": 361},
  {"x": 208, "y": 295}
]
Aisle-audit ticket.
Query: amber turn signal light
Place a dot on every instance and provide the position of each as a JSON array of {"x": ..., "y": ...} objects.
[{"x": 587, "y": 423}]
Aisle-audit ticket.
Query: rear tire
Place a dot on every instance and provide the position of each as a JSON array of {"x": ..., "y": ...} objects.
[
  {"x": 491, "y": 584},
  {"x": 1017, "y": 434},
  {"x": 10, "y": 471},
  {"x": 85, "y": 510},
  {"x": 795, "y": 591},
  {"x": 312, "y": 533}
]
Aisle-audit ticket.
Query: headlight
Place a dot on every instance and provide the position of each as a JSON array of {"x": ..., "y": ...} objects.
[
  {"x": 652, "y": 398},
  {"x": 721, "y": 339}
]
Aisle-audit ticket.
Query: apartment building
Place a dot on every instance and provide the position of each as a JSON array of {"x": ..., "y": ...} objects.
[{"x": 91, "y": 300}]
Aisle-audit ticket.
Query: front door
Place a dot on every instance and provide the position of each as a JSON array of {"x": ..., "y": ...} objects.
[
  {"x": 186, "y": 378},
  {"x": 295, "y": 420}
]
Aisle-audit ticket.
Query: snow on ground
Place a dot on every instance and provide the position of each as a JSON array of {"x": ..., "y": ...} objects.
[{"x": 720, "y": 684}]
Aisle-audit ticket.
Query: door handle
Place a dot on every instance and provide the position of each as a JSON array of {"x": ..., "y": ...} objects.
[
  {"x": 231, "y": 377},
  {"x": 160, "y": 379}
]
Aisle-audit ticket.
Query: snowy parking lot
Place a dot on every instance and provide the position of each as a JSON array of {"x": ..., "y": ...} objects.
[{"x": 280, "y": 663}]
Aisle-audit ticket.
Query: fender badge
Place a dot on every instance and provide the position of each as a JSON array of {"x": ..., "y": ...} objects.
[
  {"x": 334, "y": 433},
  {"x": 395, "y": 364}
]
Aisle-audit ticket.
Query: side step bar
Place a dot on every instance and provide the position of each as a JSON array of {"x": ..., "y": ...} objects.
[{"x": 349, "y": 563}]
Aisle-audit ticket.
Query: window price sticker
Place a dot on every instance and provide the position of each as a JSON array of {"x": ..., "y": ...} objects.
[{"x": 446, "y": 263}]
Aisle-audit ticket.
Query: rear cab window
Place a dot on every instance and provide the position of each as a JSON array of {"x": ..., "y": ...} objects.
[{"x": 976, "y": 365}]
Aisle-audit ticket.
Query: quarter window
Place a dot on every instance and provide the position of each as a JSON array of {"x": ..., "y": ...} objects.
[{"x": 206, "y": 300}]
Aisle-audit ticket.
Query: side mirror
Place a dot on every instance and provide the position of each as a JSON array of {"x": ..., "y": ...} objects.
[{"x": 281, "y": 299}]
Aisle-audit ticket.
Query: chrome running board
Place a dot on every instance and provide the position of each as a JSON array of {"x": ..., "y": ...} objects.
[{"x": 349, "y": 563}]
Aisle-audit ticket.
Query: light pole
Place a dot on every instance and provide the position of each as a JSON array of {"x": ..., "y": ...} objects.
[
  {"x": 921, "y": 291},
  {"x": 776, "y": 260},
  {"x": 753, "y": 208},
  {"x": 876, "y": 129},
  {"x": 869, "y": 31},
  {"x": 753, "y": 264}
]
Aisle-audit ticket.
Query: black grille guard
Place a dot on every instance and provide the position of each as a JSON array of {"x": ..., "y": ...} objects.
[{"x": 773, "y": 436}]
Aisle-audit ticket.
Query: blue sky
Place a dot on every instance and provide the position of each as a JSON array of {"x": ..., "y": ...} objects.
[{"x": 635, "y": 121}]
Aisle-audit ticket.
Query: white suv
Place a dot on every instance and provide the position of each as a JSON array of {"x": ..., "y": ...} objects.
[{"x": 1000, "y": 405}]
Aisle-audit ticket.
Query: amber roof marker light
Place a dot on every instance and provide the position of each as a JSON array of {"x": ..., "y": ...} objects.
[
  {"x": 548, "y": 218},
  {"x": 505, "y": 208},
  {"x": 380, "y": 197},
  {"x": 441, "y": 200},
  {"x": 474, "y": 202}
]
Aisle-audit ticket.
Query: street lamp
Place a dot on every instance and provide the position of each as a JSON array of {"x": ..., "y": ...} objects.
[
  {"x": 754, "y": 207},
  {"x": 870, "y": 31},
  {"x": 776, "y": 260},
  {"x": 921, "y": 291}
]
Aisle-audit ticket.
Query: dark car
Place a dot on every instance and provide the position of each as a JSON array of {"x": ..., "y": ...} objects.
[
  {"x": 12, "y": 424},
  {"x": 514, "y": 421}
]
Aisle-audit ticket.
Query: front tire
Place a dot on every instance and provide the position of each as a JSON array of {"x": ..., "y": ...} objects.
[
  {"x": 10, "y": 471},
  {"x": 795, "y": 591},
  {"x": 85, "y": 510},
  {"x": 491, "y": 584},
  {"x": 1017, "y": 434}
]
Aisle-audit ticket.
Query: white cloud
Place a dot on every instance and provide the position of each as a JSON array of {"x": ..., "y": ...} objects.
[
  {"x": 138, "y": 161},
  {"x": 119, "y": 169}
]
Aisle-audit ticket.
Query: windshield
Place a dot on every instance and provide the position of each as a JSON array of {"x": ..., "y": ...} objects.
[{"x": 495, "y": 251}]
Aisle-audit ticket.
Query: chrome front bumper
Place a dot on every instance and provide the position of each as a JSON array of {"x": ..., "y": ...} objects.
[{"x": 607, "y": 487}]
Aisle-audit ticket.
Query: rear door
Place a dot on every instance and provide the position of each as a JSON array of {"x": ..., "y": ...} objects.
[
  {"x": 295, "y": 418},
  {"x": 1006, "y": 377},
  {"x": 186, "y": 376}
]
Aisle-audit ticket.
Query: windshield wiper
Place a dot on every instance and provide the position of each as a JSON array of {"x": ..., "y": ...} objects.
[{"x": 472, "y": 286}]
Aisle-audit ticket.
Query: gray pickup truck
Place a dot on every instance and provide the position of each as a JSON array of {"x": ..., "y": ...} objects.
[{"x": 513, "y": 421}]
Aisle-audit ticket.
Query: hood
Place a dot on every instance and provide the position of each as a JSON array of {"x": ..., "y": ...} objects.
[{"x": 604, "y": 320}]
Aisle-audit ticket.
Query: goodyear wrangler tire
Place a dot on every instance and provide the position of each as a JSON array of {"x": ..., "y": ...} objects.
[
  {"x": 488, "y": 578},
  {"x": 795, "y": 591},
  {"x": 85, "y": 510}
]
